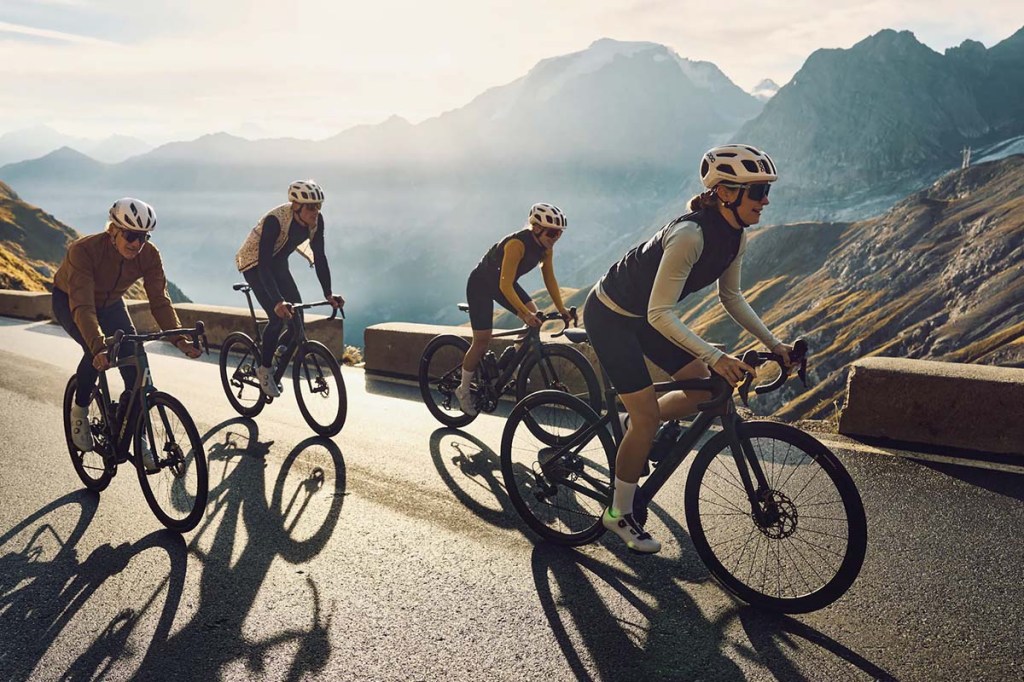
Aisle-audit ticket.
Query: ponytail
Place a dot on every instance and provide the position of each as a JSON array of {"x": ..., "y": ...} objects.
[{"x": 704, "y": 200}]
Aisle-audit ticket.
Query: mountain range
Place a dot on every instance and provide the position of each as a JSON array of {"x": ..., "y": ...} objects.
[
  {"x": 611, "y": 134},
  {"x": 30, "y": 143}
]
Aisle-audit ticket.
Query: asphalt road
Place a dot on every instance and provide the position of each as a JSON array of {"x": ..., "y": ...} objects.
[{"x": 393, "y": 553}]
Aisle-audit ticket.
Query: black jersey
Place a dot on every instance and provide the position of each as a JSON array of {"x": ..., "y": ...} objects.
[
  {"x": 489, "y": 267},
  {"x": 629, "y": 282}
]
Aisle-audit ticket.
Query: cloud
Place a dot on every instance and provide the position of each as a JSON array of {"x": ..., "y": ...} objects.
[
  {"x": 184, "y": 67},
  {"x": 59, "y": 36}
]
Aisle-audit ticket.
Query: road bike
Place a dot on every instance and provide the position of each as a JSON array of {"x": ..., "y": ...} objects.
[
  {"x": 144, "y": 419},
  {"x": 523, "y": 368},
  {"x": 771, "y": 511},
  {"x": 316, "y": 374}
]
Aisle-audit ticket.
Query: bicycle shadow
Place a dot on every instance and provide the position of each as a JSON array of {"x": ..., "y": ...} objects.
[
  {"x": 775, "y": 641},
  {"x": 256, "y": 525},
  {"x": 478, "y": 466},
  {"x": 40, "y": 596},
  {"x": 652, "y": 627}
]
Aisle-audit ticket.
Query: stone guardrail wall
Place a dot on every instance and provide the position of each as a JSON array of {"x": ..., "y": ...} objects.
[
  {"x": 219, "y": 320},
  {"x": 945, "y": 404},
  {"x": 976, "y": 408}
]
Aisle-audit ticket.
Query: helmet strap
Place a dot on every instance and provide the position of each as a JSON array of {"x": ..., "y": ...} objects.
[{"x": 733, "y": 205}]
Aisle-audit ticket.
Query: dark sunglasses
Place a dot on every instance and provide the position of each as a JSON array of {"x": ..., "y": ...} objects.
[
  {"x": 758, "y": 191},
  {"x": 315, "y": 207},
  {"x": 551, "y": 233},
  {"x": 131, "y": 236}
]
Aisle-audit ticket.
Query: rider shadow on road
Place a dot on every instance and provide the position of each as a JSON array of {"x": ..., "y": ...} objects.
[
  {"x": 44, "y": 586},
  {"x": 253, "y": 522},
  {"x": 637, "y": 619}
]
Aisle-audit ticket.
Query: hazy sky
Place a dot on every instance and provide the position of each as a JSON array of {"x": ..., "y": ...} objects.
[{"x": 175, "y": 69}]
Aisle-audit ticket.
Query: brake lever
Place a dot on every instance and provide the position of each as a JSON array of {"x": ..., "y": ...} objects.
[
  {"x": 114, "y": 346},
  {"x": 753, "y": 359}
]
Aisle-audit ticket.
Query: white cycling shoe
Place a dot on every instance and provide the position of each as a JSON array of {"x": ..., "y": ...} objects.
[
  {"x": 465, "y": 400},
  {"x": 267, "y": 383},
  {"x": 631, "y": 532},
  {"x": 81, "y": 433}
]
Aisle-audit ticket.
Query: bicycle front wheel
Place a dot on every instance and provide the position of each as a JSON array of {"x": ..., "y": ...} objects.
[
  {"x": 320, "y": 389},
  {"x": 560, "y": 368},
  {"x": 89, "y": 466},
  {"x": 562, "y": 490},
  {"x": 802, "y": 545},
  {"x": 177, "y": 491},
  {"x": 440, "y": 374},
  {"x": 239, "y": 358}
]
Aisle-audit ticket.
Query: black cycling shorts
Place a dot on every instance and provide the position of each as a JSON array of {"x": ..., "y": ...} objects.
[
  {"x": 481, "y": 298},
  {"x": 621, "y": 343}
]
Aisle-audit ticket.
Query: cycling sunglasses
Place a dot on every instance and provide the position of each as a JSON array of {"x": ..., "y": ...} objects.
[
  {"x": 551, "y": 233},
  {"x": 131, "y": 236},
  {"x": 758, "y": 191},
  {"x": 315, "y": 207}
]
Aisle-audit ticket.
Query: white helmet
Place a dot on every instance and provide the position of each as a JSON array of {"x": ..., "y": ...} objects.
[
  {"x": 133, "y": 214},
  {"x": 305, "y": 192},
  {"x": 546, "y": 215},
  {"x": 736, "y": 164}
]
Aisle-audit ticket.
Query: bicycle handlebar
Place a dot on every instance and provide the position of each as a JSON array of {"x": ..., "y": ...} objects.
[
  {"x": 304, "y": 306},
  {"x": 756, "y": 358},
  {"x": 197, "y": 334},
  {"x": 565, "y": 322}
]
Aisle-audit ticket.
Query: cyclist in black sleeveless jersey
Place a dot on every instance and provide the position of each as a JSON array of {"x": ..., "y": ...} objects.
[
  {"x": 630, "y": 313},
  {"x": 495, "y": 278}
]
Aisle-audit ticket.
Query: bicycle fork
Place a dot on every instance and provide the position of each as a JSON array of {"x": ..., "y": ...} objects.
[{"x": 758, "y": 490}]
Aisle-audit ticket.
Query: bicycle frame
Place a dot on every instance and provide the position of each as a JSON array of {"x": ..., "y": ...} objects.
[
  {"x": 528, "y": 343},
  {"x": 297, "y": 326},
  {"x": 721, "y": 406},
  {"x": 121, "y": 439}
]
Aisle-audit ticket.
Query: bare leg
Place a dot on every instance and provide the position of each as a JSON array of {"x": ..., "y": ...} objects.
[
  {"x": 642, "y": 407},
  {"x": 476, "y": 350},
  {"x": 679, "y": 404}
]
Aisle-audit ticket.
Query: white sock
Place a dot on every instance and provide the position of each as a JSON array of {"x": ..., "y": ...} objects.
[
  {"x": 622, "y": 500},
  {"x": 467, "y": 378},
  {"x": 624, "y": 421}
]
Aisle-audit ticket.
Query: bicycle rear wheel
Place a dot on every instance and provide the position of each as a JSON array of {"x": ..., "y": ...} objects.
[
  {"x": 320, "y": 389},
  {"x": 89, "y": 466},
  {"x": 239, "y": 358},
  {"x": 177, "y": 491},
  {"x": 562, "y": 368},
  {"x": 805, "y": 545},
  {"x": 440, "y": 374},
  {"x": 560, "y": 491}
]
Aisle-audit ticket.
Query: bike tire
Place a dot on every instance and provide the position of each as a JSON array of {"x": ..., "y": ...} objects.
[
  {"x": 239, "y": 358},
  {"x": 563, "y": 498},
  {"x": 439, "y": 375},
  {"x": 320, "y": 389},
  {"x": 573, "y": 374},
  {"x": 178, "y": 491},
  {"x": 815, "y": 508},
  {"x": 91, "y": 467}
]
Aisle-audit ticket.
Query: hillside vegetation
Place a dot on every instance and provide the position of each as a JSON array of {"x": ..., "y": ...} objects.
[{"x": 940, "y": 276}]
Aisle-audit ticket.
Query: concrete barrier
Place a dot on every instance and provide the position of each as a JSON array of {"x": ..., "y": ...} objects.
[
  {"x": 971, "y": 407},
  {"x": 27, "y": 305},
  {"x": 219, "y": 320}
]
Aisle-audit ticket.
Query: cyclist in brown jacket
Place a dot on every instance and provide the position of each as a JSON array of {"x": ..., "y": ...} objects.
[{"x": 87, "y": 290}]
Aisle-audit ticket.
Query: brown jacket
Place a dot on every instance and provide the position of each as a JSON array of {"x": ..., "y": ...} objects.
[{"x": 94, "y": 275}]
